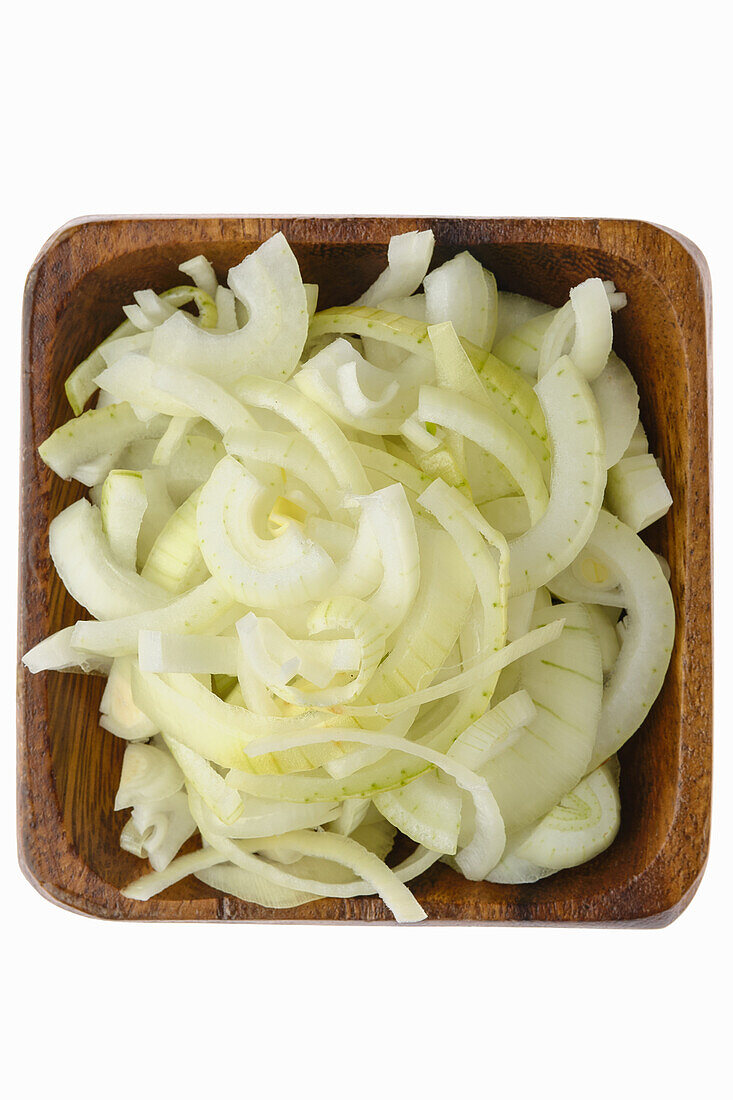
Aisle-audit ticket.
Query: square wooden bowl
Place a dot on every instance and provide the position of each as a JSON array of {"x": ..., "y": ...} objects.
[{"x": 68, "y": 767}]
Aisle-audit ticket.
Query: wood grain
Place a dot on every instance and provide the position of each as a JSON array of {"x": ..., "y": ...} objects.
[{"x": 68, "y": 767}]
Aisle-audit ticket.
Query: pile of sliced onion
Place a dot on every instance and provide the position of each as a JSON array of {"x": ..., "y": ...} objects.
[{"x": 359, "y": 572}]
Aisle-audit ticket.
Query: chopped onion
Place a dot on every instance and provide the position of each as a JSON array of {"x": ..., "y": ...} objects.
[{"x": 321, "y": 555}]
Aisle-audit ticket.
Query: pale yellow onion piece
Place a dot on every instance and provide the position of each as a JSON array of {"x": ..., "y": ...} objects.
[
  {"x": 352, "y": 812},
  {"x": 455, "y": 371},
  {"x": 174, "y": 561},
  {"x": 617, "y": 397},
  {"x": 226, "y": 311},
  {"x": 268, "y": 282},
  {"x": 95, "y": 433},
  {"x": 412, "y": 306},
  {"x": 57, "y": 653},
  {"x": 638, "y": 444},
  {"x": 486, "y": 556},
  {"x": 486, "y": 428},
  {"x": 163, "y": 827},
  {"x": 583, "y": 824},
  {"x": 408, "y": 259},
  {"x": 160, "y": 508},
  {"x": 514, "y": 398},
  {"x": 274, "y": 657},
  {"x": 132, "y": 379},
  {"x": 357, "y": 393},
  {"x": 340, "y": 849},
  {"x": 177, "y": 430},
  {"x": 360, "y": 620},
  {"x": 160, "y": 651},
  {"x": 475, "y": 541},
  {"x": 519, "y": 614},
  {"x": 201, "y": 272},
  {"x": 254, "y": 571},
  {"x": 262, "y": 818},
  {"x": 551, "y": 755},
  {"x": 148, "y": 311},
  {"x": 313, "y": 422},
  {"x": 488, "y": 819},
  {"x": 392, "y": 467},
  {"x": 90, "y": 572},
  {"x": 493, "y": 731},
  {"x": 291, "y": 452},
  {"x": 460, "y": 291},
  {"x": 593, "y": 327},
  {"x": 637, "y": 492},
  {"x": 388, "y": 515},
  {"x": 641, "y": 666},
  {"x": 427, "y": 811},
  {"x": 429, "y": 631},
  {"x": 111, "y": 353},
  {"x": 203, "y": 396},
  {"x": 202, "y": 610},
  {"x": 118, "y": 711},
  {"x": 81, "y": 384},
  {"x": 145, "y": 887},
  {"x": 122, "y": 507},
  {"x": 206, "y": 781},
  {"x": 588, "y": 313},
  {"x": 603, "y": 622},
  {"x": 252, "y": 887},
  {"x": 520, "y": 348},
  {"x": 356, "y": 759},
  {"x": 514, "y": 311},
  {"x": 361, "y": 570},
  {"x": 192, "y": 465},
  {"x": 184, "y": 709},
  {"x": 148, "y": 774},
  {"x": 577, "y": 484},
  {"x": 510, "y": 515},
  {"x": 482, "y": 670}
]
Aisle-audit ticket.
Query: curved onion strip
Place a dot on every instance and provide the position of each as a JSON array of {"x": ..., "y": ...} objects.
[
  {"x": 206, "y": 781},
  {"x": 485, "y": 850},
  {"x": 460, "y": 291},
  {"x": 617, "y": 397},
  {"x": 487, "y": 429},
  {"x": 95, "y": 433},
  {"x": 184, "y": 709},
  {"x": 268, "y": 282},
  {"x": 483, "y": 671},
  {"x": 514, "y": 396},
  {"x": 89, "y": 571},
  {"x": 640, "y": 668},
  {"x": 199, "y": 611},
  {"x": 339, "y": 849},
  {"x": 147, "y": 886},
  {"x": 58, "y": 653},
  {"x": 314, "y": 423},
  {"x": 408, "y": 259},
  {"x": 390, "y": 519},
  {"x": 255, "y": 571},
  {"x": 577, "y": 484},
  {"x": 292, "y": 453},
  {"x": 81, "y": 383}
]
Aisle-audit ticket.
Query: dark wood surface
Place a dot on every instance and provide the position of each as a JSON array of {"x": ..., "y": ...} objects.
[{"x": 68, "y": 767}]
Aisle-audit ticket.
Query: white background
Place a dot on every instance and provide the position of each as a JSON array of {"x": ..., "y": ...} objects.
[{"x": 618, "y": 109}]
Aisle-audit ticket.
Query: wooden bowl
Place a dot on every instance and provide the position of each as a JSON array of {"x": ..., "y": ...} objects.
[{"x": 68, "y": 767}]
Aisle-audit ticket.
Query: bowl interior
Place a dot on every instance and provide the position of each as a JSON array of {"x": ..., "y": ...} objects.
[{"x": 86, "y": 759}]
